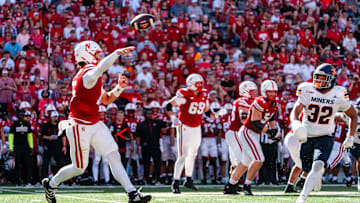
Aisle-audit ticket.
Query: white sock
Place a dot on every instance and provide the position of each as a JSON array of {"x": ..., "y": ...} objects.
[
  {"x": 313, "y": 178},
  {"x": 290, "y": 183},
  {"x": 330, "y": 176},
  {"x": 348, "y": 178},
  {"x": 119, "y": 172},
  {"x": 95, "y": 170},
  {"x": 334, "y": 178},
  {"x": 106, "y": 171},
  {"x": 232, "y": 181},
  {"x": 248, "y": 182},
  {"x": 64, "y": 174},
  {"x": 179, "y": 166}
]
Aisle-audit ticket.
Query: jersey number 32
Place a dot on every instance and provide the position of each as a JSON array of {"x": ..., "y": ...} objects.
[{"x": 314, "y": 116}]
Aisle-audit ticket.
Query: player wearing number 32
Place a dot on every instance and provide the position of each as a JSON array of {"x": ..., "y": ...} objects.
[
  {"x": 193, "y": 102},
  {"x": 84, "y": 127},
  {"x": 319, "y": 101}
]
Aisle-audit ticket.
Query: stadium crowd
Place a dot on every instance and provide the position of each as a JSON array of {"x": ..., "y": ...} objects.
[{"x": 226, "y": 41}]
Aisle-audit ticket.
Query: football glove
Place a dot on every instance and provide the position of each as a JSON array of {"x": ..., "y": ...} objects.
[{"x": 348, "y": 143}]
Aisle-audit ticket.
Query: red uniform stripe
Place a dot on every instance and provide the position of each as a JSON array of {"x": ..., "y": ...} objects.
[
  {"x": 180, "y": 144},
  {"x": 237, "y": 140},
  {"x": 252, "y": 145},
  {"x": 76, "y": 150},
  {"x": 338, "y": 157},
  {"x": 78, "y": 137}
]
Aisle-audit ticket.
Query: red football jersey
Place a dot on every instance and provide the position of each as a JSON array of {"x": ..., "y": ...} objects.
[
  {"x": 132, "y": 123},
  {"x": 263, "y": 106},
  {"x": 243, "y": 102},
  {"x": 166, "y": 119},
  {"x": 84, "y": 103},
  {"x": 62, "y": 102},
  {"x": 340, "y": 132},
  {"x": 225, "y": 122},
  {"x": 192, "y": 109},
  {"x": 209, "y": 125}
]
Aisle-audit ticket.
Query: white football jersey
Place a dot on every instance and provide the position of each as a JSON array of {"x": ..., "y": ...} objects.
[
  {"x": 320, "y": 109},
  {"x": 357, "y": 133}
]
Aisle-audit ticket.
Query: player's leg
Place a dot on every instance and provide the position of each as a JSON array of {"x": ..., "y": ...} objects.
[
  {"x": 224, "y": 157},
  {"x": 235, "y": 147},
  {"x": 191, "y": 138},
  {"x": 105, "y": 169},
  {"x": 95, "y": 166},
  {"x": 257, "y": 159},
  {"x": 79, "y": 141},
  {"x": 346, "y": 167},
  {"x": 204, "y": 151},
  {"x": 180, "y": 161},
  {"x": 355, "y": 152},
  {"x": 322, "y": 149},
  {"x": 213, "y": 152},
  {"x": 293, "y": 146},
  {"x": 103, "y": 142}
]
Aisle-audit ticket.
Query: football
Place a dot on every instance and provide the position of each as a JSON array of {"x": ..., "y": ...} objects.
[{"x": 143, "y": 21}]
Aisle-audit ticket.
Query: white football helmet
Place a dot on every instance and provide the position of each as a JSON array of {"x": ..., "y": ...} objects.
[
  {"x": 245, "y": 88},
  {"x": 24, "y": 104},
  {"x": 110, "y": 106},
  {"x": 130, "y": 108},
  {"x": 268, "y": 85},
  {"x": 155, "y": 105},
  {"x": 228, "y": 107},
  {"x": 86, "y": 52},
  {"x": 195, "y": 82},
  {"x": 215, "y": 106},
  {"x": 49, "y": 108},
  {"x": 102, "y": 108}
]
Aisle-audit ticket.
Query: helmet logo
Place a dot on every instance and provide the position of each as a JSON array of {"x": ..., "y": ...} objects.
[{"x": 333, "y": 71}]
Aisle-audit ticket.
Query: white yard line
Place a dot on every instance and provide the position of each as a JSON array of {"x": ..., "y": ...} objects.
[{"x": 71, "y": 197}]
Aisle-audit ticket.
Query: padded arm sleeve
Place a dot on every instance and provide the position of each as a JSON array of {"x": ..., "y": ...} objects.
[
  {"x": 90, "y": 78},
  {"x": 257, "y": 125}
]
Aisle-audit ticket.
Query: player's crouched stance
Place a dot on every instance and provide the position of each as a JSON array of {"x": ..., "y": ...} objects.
[
  {"x": 262, "y": 111},
  {"x": 319, "y": 102},
  {"x": 84, "y": 128}
]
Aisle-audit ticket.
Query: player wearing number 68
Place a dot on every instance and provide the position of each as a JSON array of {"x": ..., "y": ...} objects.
[
  {"x": 193, "y": 102},
  {"x": 319, "y": 101}
]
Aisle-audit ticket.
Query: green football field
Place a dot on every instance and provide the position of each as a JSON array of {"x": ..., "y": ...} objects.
[{"x": 208, "y": 193}]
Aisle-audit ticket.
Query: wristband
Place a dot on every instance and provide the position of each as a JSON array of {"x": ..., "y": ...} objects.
[{"x": 117, "y": 90}]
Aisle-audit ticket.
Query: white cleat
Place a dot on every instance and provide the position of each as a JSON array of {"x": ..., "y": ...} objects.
[{"x": 300, "y": 200}]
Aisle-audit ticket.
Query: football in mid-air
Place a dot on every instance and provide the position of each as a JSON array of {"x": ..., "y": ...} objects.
[{"x": 143, "y": 21}]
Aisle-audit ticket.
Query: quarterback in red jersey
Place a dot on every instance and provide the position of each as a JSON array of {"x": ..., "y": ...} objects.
[
  {"x": 84, "y": 127},
  {"x": 193, "y": 102},
  {"x": 247, "y": 91},
  {"x": 262, "y": 112}
]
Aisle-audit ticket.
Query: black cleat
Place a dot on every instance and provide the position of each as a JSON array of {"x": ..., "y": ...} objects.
[
  {"x": 230, "y": 189},
  {"x": 214, "y": 182},
  {"x": 290, "y": 189},
  {"x": 49, "y": 191},
  {"x": 247, "y": 190},
  {"x": 175, "y": 187},
  {"x": 349, "y": 183},
  {"x": 190, "y": 184},
  {"x": 300, "y": 183},
  {"x": 137, "y": 196},
  {"x": 203, "y": 182}
]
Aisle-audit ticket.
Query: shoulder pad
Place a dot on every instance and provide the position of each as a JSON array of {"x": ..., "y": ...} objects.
[{"x": 182, "y": 92}]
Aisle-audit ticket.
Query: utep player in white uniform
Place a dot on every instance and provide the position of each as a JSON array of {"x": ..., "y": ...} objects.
[
  {"x": 319, "y": 101},
  {"x": 84, "y": 127}
]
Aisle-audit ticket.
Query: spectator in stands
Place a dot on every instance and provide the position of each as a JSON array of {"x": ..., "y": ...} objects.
[
  {"x": 9, "y": 62},
  {"x": 7, "y": 89},
  {"x": 9, "y": 27},
  {"x": 349, "y": 42},
  {"x": 23, "y": 37},
  {"x": 13, "y": 47},
  {"x": 195, "y": 9},
  {"x": 21, "y": 145},
  {"x": 43, "y": 67},
  {"x": 145, "y": 75},
  {"x": 178, "y": 7}
]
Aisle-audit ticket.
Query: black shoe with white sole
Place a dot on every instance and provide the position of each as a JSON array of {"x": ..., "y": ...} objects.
[
  {"x": 290, "y": 189},
  {"x": 49, "y": 191},
  {"x": 231, "y": 189},
  {"x": 137, "y": 196},
  {"x": 190, "y": 184},
  {"x": 247, "y": 189},
  {"x": 175, "y": 187}
]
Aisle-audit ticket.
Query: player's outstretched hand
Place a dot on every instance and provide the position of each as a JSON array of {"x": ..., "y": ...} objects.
[
  {"x": 123, "y": 81},
  {"x": 125, "y": 51}
]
